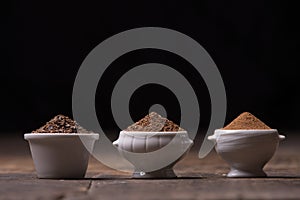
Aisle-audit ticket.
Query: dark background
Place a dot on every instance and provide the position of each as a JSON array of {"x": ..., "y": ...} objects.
[{"x": 254, "y": 44}]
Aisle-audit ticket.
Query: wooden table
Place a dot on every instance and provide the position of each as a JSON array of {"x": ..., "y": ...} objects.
[{"x": 198, "y": 179}]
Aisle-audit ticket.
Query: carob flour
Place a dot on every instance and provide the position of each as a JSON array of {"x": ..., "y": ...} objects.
[
  {"x": 246, "y": 121},
  {"x": 153, "y": 122}
]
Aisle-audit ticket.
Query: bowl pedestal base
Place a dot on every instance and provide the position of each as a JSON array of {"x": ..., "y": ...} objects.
[
  {"x": 238, "y": 173},
  {"x": 162, "y": 173}
]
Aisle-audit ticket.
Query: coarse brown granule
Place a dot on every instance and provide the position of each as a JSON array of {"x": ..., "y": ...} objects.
[
  {"x": 153, "y": 122},
  {"x": 61, "y": 124},
  {"x": 246, "y": 121}
]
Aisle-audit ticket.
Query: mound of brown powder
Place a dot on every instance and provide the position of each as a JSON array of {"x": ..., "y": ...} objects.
[
  {"x": 61, "y": 124},
  {"x": 153, "y": 122},
  {"x": 246, "y": 121}
]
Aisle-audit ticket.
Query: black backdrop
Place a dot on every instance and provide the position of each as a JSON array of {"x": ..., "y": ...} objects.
[{"x": 254, "y": 44}]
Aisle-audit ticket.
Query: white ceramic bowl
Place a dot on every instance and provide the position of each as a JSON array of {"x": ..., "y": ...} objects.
[
  {"x": 246, "y": 151},
  {"x": 60, "y": 155},
  {"x": 153, "y": 154}
]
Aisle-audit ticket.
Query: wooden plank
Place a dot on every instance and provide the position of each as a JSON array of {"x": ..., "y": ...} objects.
[
  {"x": 201, "y": 188},
  {"x": 27, "y": 186}
]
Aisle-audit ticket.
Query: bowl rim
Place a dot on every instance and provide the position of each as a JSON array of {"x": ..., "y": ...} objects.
[
  {"x": 145, "y": 133},
  {"x": 54, "y": 135},
  {"x": 245, "y": 131}
]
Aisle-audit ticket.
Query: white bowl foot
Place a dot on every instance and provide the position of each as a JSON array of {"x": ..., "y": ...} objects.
[
  {"x": 162, "y": 173},
  {"x": 237, "y": 173}
]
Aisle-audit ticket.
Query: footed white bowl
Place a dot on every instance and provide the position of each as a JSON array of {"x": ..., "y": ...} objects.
[
  {"x": 246, "y": 151},
  {"x": 60, "y": 155},
  {"x": 153, "y": 154}
]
